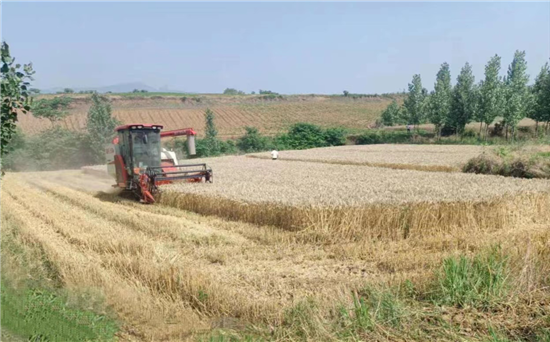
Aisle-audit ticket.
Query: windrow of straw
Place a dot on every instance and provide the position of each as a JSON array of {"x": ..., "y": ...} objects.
[{"x": 376, "y": 221}]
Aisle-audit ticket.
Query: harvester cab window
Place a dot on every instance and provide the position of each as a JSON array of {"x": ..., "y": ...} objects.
[{"x": 146, "y": 148}]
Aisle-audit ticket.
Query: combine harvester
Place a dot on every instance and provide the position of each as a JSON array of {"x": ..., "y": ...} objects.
[{"x": 140, "y": 164}]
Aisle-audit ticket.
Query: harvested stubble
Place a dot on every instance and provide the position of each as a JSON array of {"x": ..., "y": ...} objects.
[
  {"x": 328, "y": 203},
  {"x": 443, "y": 158}
]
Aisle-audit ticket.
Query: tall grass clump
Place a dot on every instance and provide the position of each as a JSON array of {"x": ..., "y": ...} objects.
[
  {"x": 304, "y": 321},
  {"x": 481, "y": 281},
  {"x": 369, "y": 309}
]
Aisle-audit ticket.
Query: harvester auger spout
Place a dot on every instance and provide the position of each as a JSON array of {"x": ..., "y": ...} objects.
[{"x": 140, "y": 165}]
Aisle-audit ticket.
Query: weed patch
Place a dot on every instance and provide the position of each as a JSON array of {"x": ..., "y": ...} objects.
[
  {"x": 480, "y": 282},
  {"x": 42, "y": 315}
]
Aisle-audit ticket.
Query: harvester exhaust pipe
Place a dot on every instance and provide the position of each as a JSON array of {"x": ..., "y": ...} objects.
[{"x": 191, "y": 145}]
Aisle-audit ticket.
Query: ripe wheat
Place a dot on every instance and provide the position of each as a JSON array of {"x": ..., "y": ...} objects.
[
  {"x": 414, "y": 157},
  {"x": 354, "y": 202}
]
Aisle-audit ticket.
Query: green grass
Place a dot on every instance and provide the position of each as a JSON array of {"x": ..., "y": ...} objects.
[
  {"x": 544, "y": 334},
  {"x": 35, "y": 307},
  {"x": 42, "y": 315},
  {"x": 371, "y": 308},
  {"x": 480, "y": 282}
]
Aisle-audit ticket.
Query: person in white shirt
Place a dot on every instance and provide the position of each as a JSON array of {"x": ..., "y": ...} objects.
[{"x": 274, "y": 155}]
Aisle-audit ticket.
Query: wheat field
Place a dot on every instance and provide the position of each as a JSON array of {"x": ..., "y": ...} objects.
[
  {"x": 172, "y": 275},
  {"x": 407, "y": 157},
  {"x": 327, "y": 203}
]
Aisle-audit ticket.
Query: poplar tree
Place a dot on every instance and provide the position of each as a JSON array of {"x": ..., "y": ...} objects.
[
  {"x": 211, "y": 140},
  {"x": 440, "y": 99},
  {"x": 491, "y": 94},
  {"x": 100, "y": 125},
  {"x": 463, "y": 101},
  {"x": 516, "y": 92},
  {"x": 416, "y": 101},
  {"x": 540, "y": 111},
  {"x": 390, "y": 116}
]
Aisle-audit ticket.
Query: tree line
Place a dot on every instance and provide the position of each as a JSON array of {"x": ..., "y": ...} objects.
[{"x": 450, "y": 108}]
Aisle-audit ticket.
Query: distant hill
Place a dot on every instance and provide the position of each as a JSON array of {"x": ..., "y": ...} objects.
[{"x": 116, "y": 88}]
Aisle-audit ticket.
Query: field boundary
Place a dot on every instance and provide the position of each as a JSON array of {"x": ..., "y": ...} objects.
[{"x": 429, "y": 168}]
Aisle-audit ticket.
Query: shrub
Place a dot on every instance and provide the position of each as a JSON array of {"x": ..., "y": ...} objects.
[
  {"x": 304, "y": 135},
  {"x": 497, "y": 130},
  {"x": 369, "y": 138},
  {"x": 517, "y": 168},
  {"x": 484, "y": 164},
  {"x": 280, "y": 142},
  {"x": 207, "y": 147},
  {"x": 228, "y": 147},
  {"x": 468, "y": 133},
  {"x": 252, "y": 141},
  {"x": 504, "y": 163},
  {"x": 526, "y": 129},
  {"x": 447, "y": 131},
  {"x": 389, "y": 137},
  {"x": 335, "y": 136}
]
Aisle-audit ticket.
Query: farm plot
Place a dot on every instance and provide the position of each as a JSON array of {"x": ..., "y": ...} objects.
[
  {"x": 270, "y": 117},
  {"x": 326, "y": 202},
  {"x": 414, "y": 157},
  {"x": 158, "y": 266},
  {"x": 172, "y": 275}
]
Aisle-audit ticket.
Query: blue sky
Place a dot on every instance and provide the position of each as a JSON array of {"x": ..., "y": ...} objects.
[{"x": 285, "y": 47}]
